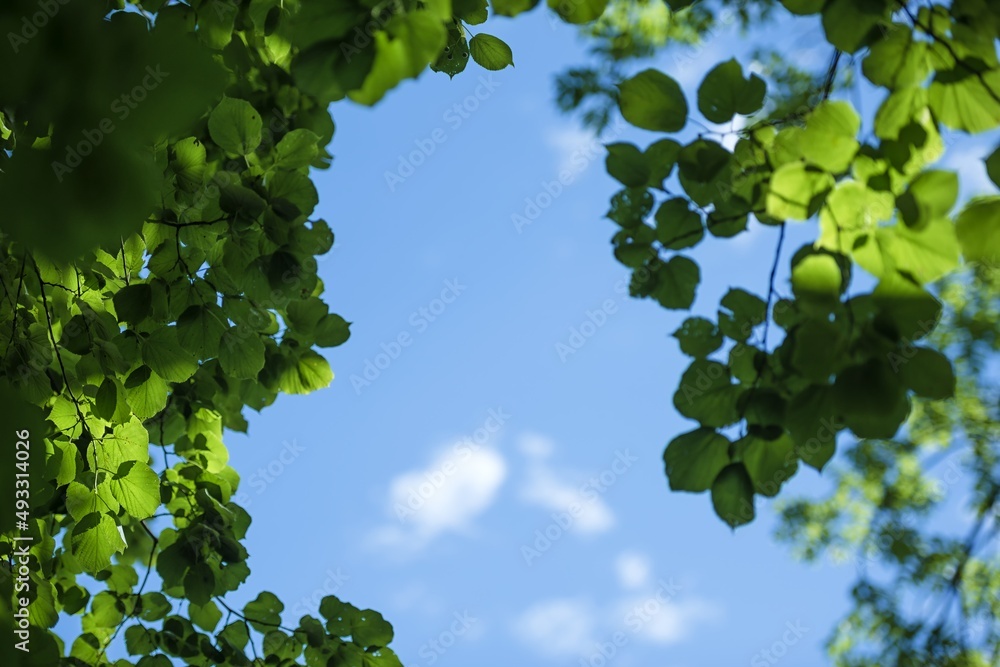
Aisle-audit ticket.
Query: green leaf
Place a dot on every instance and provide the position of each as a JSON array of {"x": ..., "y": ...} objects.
[
  {"x": 512, "y": 7},
  {"x": 94, "y": 540},
  {"x": 139, "y": 640},
  {"x": 993, "y": 166},
  {"x": 266, "y": 607},
  {"x": 905, "y": 308},
  {"x": 698, "y": 337},
  {"x": 297, "y": 149},
  {"x": 241, "y": 353},
  {"x": 925, "y": 371},
  {"x": 235, "y": 126},
  {"x": 897, "y": 60},
  {"x": 852, "y": 24},
  {"x": 472, "y": 12},
  {"x": 295, "y": 188},
  {"x": 136, "y": 487},
  {"x": 653, "y": 101},
  {"x": 409, "y": 43},
  {"x": 818, "y": 277},
  {"x": 661, "y": 156},
  {"x": 83, "y": 500},
  {"x": 200, "y": 583},
  {"x": 978, "y": 230},
  {"x": 455, "y": 55},
  {"x": 205, "y": 616},
  {"x": 200, "y": 328},
  {"x": 677, "y": 226},
  {"x": 813, "y": 422},
  {"x": 189, "y": 163},
  {"x": 371, "y": 629},
  {"x": 816, "y": 350},
  {"x": 578, "y": 11},
  {"x": 829, "y": 140},
  {"x": 676, "y": 283},
  {"x": 133, "y": 303},
  {"x": 627, "y": 164},
  {"x": 126, "y": 442},
  {"x": 693, "y": 460},
  {"x": 795, "y": 191},
  {"x": 850, "y": 211},
  {"x": 963, "y": 101},
  {"x": 706, "y": 172},
  {"x": 931, "y": 195},
  {"x": 146, "y": 392},
  {"x": 490, "y": 52},
  {"x": 872, "y": 399},
  {"x": 162, "y": 352},
  {"x": 236, "y": 635},
  {"x": 924, "y": 254},
  {"x": 803, "y": 7},
  {"x": 724, "y": 93},
  {"x": 154, "y": 606},
  {"x": 707, "y": 395},
  {"x": 332, "y": 330},
  {"x": 304, "y": 316},
  {"x": 732, "y": 495},
  {"x": 216, "y": 24},
  {"x": 899, "y": 110},
  {"x": 742, "y": 311},
  {"x": 306, "y": 374},
  {"x": 770, "y": 463},
  {"x": 106, "y": 402},
  {"x": 340, "y": 615}
]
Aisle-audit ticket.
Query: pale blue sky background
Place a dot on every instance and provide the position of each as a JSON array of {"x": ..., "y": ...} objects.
[{"x": 329, "y": 514}]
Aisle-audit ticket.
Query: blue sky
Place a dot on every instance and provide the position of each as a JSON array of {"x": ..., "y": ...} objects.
[{"x": 468, "y": 405}]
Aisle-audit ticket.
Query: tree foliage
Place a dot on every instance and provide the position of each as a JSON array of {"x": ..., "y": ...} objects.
[
  {"x": 885, "y": 514},
  {"x": 889, "y": 227},
  {"x": 159, "y": 271}
]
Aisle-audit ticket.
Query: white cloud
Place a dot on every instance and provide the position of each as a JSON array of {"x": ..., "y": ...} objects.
[
  {"x": 456, "y": 487},
  {"x": 656, "y": 612},
  {"x": 633, "y": 569},
  {"x": 546, "y": 488},
  {"x": 557, "y": 628},
  {"x": 575, "y": 148},
  {"x": 660, "y": 620}
]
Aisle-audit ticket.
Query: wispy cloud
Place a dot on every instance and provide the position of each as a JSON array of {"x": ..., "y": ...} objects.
[
  {"x": 633, "y": 569},
  {"x": 571, "y": 146},
  {"x": 656, "y": 612},
  {"x": 558, "y": 628},
  {"x": 557, "y": 491},
  {"x": 446, "y": 496}
]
